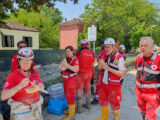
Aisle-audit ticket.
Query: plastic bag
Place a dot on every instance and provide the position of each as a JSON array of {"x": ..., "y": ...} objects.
[
  {"x": 158, "y": 111},
  {"x": 57, "y": 106},
  {"x": 57, "y": 91}
]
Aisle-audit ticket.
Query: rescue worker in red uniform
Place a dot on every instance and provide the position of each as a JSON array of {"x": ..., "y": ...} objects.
[
  {"x": 110, "y": 89},
  {"x": 147, "y": 79},
  {"x": 14, "y": 63},
  {"x": 121, "y": 49},
  {"x": 93, "y": 75},
  {"x": 22, "y": 89},
  {"x": 86, "y": 60},
  {"x": 69, "y": 68},
  {"x": 14, "y": 66},
  {"x": 99, "y": 76}
]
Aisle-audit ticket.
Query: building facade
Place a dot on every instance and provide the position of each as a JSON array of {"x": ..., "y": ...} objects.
[
  {"x": 69, "y": 31},
  {"x": 12, "y": 33}
]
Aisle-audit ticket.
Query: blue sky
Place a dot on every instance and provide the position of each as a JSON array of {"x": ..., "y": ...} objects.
[{"x": 70, "y": 11}]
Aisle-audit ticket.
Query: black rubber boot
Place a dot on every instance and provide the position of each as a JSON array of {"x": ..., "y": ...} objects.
[
  {"x": 94, "y": 101},
  {"x": 143, "y": 115}
]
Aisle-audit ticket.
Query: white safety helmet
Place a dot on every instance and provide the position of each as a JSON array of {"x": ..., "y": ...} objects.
[
  {"x": 84, "y": 41},
  {"x": 109, "y": 41},
  {"x": 122, "y": 47},
  {"x": 25, "y": 53}
]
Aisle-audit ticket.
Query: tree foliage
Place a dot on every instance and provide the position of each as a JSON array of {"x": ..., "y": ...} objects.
[
  {"x": 124, "y": 20},
  {"x": 13, "y": 5},
  {"x": 46, "y": 21}
]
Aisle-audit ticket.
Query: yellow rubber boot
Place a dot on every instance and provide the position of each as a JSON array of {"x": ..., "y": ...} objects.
[
  {"x": 104, "y": 113},
  {"x": 116, "y": 115},
  {"x": 71, "y": 113}
]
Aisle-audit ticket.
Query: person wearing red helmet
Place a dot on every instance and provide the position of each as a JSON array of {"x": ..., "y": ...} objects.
[
  {"x": 69, "y": 68},
  {"x": 14, "y": 63},
  {"x": 147, "y": 79},
  {"x": 114, "y": 68},
  {"x": 86, "y": 60},
  {"x": 22, "y": 89}
]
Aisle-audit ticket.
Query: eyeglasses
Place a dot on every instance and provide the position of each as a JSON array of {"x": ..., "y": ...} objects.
[{"x": 22, "y": 46}]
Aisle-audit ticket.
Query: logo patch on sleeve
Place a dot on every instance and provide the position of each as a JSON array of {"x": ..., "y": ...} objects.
[{"x": 154, "y": 67}]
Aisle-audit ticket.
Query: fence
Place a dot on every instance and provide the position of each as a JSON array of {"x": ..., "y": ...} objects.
[{"x": 42, "y": 57}]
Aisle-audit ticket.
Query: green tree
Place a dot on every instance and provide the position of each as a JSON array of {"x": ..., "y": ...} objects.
[
  {"x": 120, "y": 18},
  {"x": 13, "y": 5},
  {"x": 46, "y": 21}
]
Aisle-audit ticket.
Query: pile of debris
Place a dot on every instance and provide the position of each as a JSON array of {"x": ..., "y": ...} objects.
[{"x": 156, "y": 50}]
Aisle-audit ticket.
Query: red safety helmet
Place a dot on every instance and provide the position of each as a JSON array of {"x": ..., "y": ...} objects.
[{"x": 84, "y": 43}]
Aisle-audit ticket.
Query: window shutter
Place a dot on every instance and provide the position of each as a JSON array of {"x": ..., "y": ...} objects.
[
  {"x": 3, "y": 43},
  {"x": 30, "y": 40},
  {"x": 12, "y": 41}
]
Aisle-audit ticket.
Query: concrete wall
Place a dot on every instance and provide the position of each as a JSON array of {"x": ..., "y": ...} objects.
[{"x": 18, "y": 36}]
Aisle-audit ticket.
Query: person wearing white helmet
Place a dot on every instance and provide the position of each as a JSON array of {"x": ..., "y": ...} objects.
[
  {"x": 14, "y": 63},
  {"x": 86, "y": 60},
  {"x": 14, "y": 66},
  {"x": 122, "y": 47},
  {"x": 22, "y": 89},
  {"x": 114, "y": 68},
  {"x": 122, "y": 50}
]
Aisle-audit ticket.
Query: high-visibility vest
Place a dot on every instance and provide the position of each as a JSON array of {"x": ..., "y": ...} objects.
[
  {"x": 112, "y": 79},
  {"x": 148, "y": 73},
  {"x": 68, "y": 73}
]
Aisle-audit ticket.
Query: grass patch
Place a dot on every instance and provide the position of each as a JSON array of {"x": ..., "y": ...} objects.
[{"x": 131, "y": 61}]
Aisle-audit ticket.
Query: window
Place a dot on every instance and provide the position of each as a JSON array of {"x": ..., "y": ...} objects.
[
  {"x": 28, "y": 40},
  {"x": 7, "y": 41}
]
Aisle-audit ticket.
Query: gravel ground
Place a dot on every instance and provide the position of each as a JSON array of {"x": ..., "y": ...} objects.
[{"x": 129, "y": 109}]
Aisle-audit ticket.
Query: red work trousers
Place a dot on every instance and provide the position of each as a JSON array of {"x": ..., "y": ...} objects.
[
  {"x": 110, "y": 94},
  {"x": 69, "y": 85},
  {"x": 148, "y": 103},
  {"x": 84, "y": 79},
  {"x": 98, "y": 83}
]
